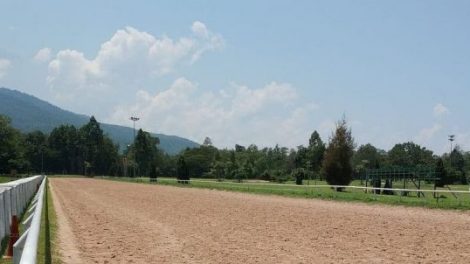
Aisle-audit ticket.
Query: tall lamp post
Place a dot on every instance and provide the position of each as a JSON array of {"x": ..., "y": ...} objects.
[
  {"x": 42, "y": 147},
  {"x": 451, "y": 139},
  {"x": 134, "y": 119}
]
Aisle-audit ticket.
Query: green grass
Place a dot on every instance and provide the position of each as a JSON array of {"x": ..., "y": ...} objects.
[
  {"x": 8, "y": 178},
  {"x": 4, "y": 179},
  {"x": 47, "y": 248},
  {"x": 446, "y": 201}
]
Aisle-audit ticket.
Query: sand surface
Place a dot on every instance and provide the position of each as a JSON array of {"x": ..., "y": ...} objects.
[
  {"x": 67, "y": 244},
  {"x": 114, "y": 222}
]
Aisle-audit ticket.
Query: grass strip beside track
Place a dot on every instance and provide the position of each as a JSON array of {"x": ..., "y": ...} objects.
[
  {"x": 48, "y": 251},
  {"x": 4, "y": 179},
  {"x": 445, "y": 201}
]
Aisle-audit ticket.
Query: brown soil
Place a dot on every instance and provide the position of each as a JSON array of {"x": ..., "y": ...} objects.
[
  {"x": 67, "y": 244},
  {"x": 114, "y": 222}
]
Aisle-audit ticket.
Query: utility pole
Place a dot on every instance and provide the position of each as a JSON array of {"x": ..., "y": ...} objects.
[{"x": 134, "y": 119}]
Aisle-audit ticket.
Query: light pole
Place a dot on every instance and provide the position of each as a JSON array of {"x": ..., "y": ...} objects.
[
  {"x": 451, "y": 139},
  {"x": 42, "y": 161},
  {"x": 134, "y": 119}
]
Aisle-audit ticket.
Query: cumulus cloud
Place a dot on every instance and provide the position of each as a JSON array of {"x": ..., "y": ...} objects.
[
  {"x": 326, "y": 128},
  {"x": 127, "y": 62},
  {"x": 434, "y": 134},
  {"x": 427, "y": 134},
  {"x": 4, "y": 66},
  {"x": 238, "y": 114},
  {"x": 200, "y": 29},
  {"x": 440, "y": 110},
  {"x": 43, "y": 55},
  {"x": 463, "y": 140},
  {"x": 213, "y": 41}
]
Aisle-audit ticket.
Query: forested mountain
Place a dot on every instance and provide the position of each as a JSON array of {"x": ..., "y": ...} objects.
[{"x": 29, "y": 113}]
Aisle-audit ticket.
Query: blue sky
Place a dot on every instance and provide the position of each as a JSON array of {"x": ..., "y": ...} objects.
[{"x": 244, "y": 72}]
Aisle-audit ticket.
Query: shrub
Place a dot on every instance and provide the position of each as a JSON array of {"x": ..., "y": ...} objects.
[
  {"x": 377, "y": 184},
  {"x": 388, "y": 185},
  {"x": 153, "y": 173},
  {"x": 337, "y": 166},
  {"x": 299, "y": 176}
]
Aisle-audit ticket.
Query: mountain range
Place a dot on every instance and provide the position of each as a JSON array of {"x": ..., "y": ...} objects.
[{"x": 29, "y": 113}]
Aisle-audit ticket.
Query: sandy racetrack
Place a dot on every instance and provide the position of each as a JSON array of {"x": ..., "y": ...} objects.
[{"x": 115, "y": 222}]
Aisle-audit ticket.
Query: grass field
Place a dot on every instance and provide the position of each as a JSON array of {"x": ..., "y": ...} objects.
[
  {"x": 6, "y": 179},
  {"x": 313, "y": 190}
]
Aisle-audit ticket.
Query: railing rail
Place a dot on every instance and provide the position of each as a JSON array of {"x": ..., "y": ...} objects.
[
  {"x": 320, "y": 186},
  {"x": 14, "y": 198},
  {"x": 25, "y": 249}
]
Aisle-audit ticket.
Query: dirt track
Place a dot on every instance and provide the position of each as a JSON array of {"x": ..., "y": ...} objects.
[{"x": 115, "y": 222}]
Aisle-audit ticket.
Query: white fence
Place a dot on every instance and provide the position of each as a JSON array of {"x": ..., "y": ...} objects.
[
  {"x": 25, "y": 249},
  {"x": 14, "y": 198}
]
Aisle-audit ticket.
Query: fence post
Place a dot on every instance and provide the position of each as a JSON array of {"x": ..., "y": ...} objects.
[{"x": 14, "y": 235}]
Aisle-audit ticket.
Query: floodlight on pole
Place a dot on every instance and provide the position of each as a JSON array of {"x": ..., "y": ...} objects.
[
  {"x": 134, "y": 119},
  {"x": 451, "y": 139}
]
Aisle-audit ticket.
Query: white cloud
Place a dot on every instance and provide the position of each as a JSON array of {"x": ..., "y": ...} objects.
[
  {"x": 4, "y": 66},
  {"x": 463, "y": 140},
  {"x": 200, "y": 29},
  {"x": 249, "y": 101},
  {"x": 43, "y": 55},
  {"x": 72, "y": 76},
  {"x": 127, "y": 62},
  {"x": 265, "y": 116},
  {"x": 440, "y": 110},
  {"x": 426, "y": 134},
  {"x": 213, "y": 41},
  {"x": 326, "y": 128}
]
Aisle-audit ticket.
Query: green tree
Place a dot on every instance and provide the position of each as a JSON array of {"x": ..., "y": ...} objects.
[
  {"x": 36, "y": 150},
  {"x": 200, "y": 160},
  {"x": 366, "y": 157},
  {"x": 410, "y": 154},
  {"x": 66, "y": 150},
  {"x": 299, "y": 175},
  {"x": 153, "y": 173},
  {"x": 145, "y": 150},
  {"x": 108, "y": 159},
  {"x": 218, "y": 170},
  {"x": 207, "y": 142},
  {"x": 457, "y": 166},
  {"x": 316, "y": 151},
  {"x": 441, "y": 173},
  {"x": 337, "y": 167},
  {"x": 99, "y": 152},
  {"x": 12, "y": 148},
  {"x": 302, "y": 157},
  {"x": 467, "y": 163},
  {"x": 92, "y": 136},
  {"x": 182, "y": 171}
]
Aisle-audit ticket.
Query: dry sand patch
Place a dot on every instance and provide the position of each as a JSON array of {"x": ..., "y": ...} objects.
[{"x": 115, "y": 222}]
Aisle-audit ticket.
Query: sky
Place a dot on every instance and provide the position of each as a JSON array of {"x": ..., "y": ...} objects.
[{"x": 243, "y": 72}]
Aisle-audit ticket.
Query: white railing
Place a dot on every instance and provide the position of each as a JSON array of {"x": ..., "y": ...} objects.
[
  {"x": 14, "y": 198},
  {"x": 319, "y": 186},
  {"x": 25, "y": 249}
]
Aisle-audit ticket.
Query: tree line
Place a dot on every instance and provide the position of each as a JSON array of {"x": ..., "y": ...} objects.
[{"x": 88, "y": 151}]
